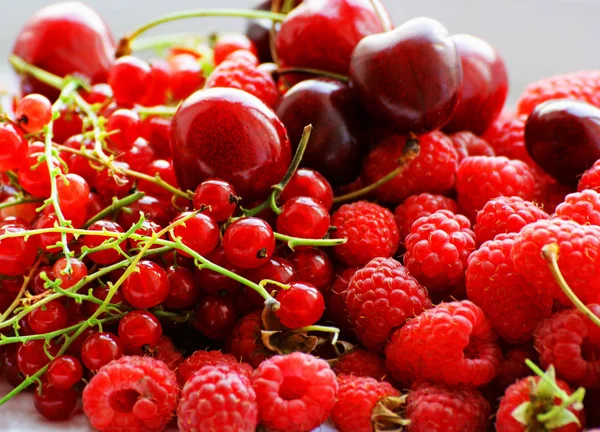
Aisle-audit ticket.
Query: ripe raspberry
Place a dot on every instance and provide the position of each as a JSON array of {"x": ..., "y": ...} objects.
[
  {"x": 335, "y": 300},
  {"x": 417, "y": 206},
  {"x": 295, "y": 392},
  {"x": 505, "y": 215},
  {"x": 437, "y": 249},
  {"x": 202, "y": 358},
  {"x": 590, "y": 179},
  {"x": 466, "y": 143},
  {"x": 570, "y": 341},
  {"x": 361, "y": 363},
  {"x": 242, "y": 74},
  {"x": 370, "y": 229},
  {"x": 548, "y": 192},
  {"x": 482, "y": 178},
  {"x": 437, "y": 155},
  {"x": 381, "y": 297},
  {"x": 245, "y": 341},
  {"x": 513, "y": 365},
  {"x": 583, "y": 85},
  {"x": 452, "y": 342},
  {"x": 507, "y": 137},
  {"x": 217, "y": 398},
  {"x": 357, "y": 396},
  {"x": 581, "y": 207},
  {"x": 579, "y": 258},
  {"x": 166, "y": 352},
  {"x": 512, "y": 305},
  {"x": 133, "y": 394}
]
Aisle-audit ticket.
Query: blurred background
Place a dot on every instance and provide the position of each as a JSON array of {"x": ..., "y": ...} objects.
[{"x": 536, "y": 37}]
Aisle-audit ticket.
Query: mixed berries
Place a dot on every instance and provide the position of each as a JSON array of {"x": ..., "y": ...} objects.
[{"x": 329, "y": 220}]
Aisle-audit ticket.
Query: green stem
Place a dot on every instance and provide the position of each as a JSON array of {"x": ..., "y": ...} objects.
[
  {"x": 24, "y": 200},
  {"x": 19, "y": 296},
  {"x": 160, "y": 111},
  {"x": 21, "y": 66},
  {"x": 292, "y": 242},
  {"x": 165, "y": 41},
  {"x": 116, "y": 205},
  {"x": 310, "y": 71}
]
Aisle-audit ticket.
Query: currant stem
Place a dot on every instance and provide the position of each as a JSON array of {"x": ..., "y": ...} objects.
[
  {"x": 17, "y": 299},
  {"x": 116, "y": 205},
  {"x": 550, "y": 253},
  {"x": 292, "y": 242},
  {"x": 24, "y": 200},
  {"x": 160, "y": 111},
  {"x": 21, "y": 66},
  {"x": 166, "y": 41},
  {"x": 310, "y": 71}
]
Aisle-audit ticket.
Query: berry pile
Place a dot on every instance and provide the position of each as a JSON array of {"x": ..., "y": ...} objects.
[{"x": 327, "y": 220}]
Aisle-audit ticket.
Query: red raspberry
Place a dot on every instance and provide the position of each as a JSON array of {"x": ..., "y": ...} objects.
[
  {"x": 361, "y": 363},
  {"x": 242, "y": 74},
  {"x": 133, "y": 394},
  {"x": 482, "y": 178},
  {"x": 570, "y": 341},
  {"x": 202, "y": 358},
  {"x": 335, "y": 300},
  {"x": 437, "y": 155},
  {"x": 581, "y": 207},
  {"x": 452, "y": 342},
  {"x": 513, "y": 306},
  {"x": 505, "y": 215},
  {"x": 583, "y": 85},
  {"x": 548, "y": 192},
  {"x": 417, "y": 206},
  {"x": 437, "y": 249},
  {"x": 245, "y": 342},
  {"x": 357, "y": 396},
  {"x": 590, "y": 179},
  {"x": 513, "y": 365},
  {"x": 507, "y": 137},
  {"x": 295, "y": 392},
  {"x": 466, "y": 144},
  {"x": 579, "y": 258},
  {"x": 217, "y": 398},
  {"x": 370, "y": 229},
  {"x": 381, "y": 297},
  {"x": 166, "y": 352}
]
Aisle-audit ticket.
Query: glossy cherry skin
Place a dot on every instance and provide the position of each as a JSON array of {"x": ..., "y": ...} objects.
[
  {"x": 217, "y": 197},
  {"x": 409, "y": 78},
  {"x": 303, "y": 217},
  {"x": 65, "y": 38},
  {"x": 301, "y": 305},
  {"x": 229, "y": 134},
  {"x": 55, "y": 404},
  {"x": 484, "y": 86},
  {"x": 337, "y": 143},
  {"x": 563, "y": 137},
  {"x": 69, "y": 279},
  {"x": 322, "y": 34},
  {"x": 215, "y": 316},
  {"x": 31, "y": 356},
  {"x": 64, "y": 372}
]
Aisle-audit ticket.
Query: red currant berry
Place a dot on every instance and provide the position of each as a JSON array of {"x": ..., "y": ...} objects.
[
  {"x": 31, "y": 356},
  {"x": 301, "y": 305},
  {"x": 183, "y": 290},
  {"x": 277, "y": 269},
  {"x": 48, "y": 318},
  {"x": 13, "y": 147},
  {"x": 212, "y": 282},
  {"x": 11, "y": 285},
  {"x": 229, "y": 43},
  {"x": 104, "y": 257},
  {"x": 140, "y": 155},
  {"x": 48, "y": 241},
  {"x": 303, "y": 217},
  {"x": 9, "y": 368},
  {"x": 73, "y": 197},
  {"x": 95, "y": 204},
  {"x": 157, "y": 131},
  {"x": 159, "y": 70},
  {"x": 248, "y": 56},
  {"x": 16, "y": 254},
  {"x": 36, "y": 285},
  {"x": 64, "y": 372},
  {"x": 130, "y": 79},
  {"x": 78, "y": 164},
  {"x": 110, "y": 184},
  {"x": 69, "y": 279},
  {"x": 200, "y": 233},
  {"x": 147, "y": 287},
  {"x": 186, "y": 76},
  {"x": 151, "y": 207},
  {"x": 68, "y": 124},
  {"x": 98, "y": 94},
  {"x": 147, "y": 229},
  {"x": 215, "y": 316},
  {"x": 99, "y": 349},
  {"x": 55, "y": 404},
  {"x": 34, "y": 176},
  {"x": 313, "y": 266},
  {"x": 33, "y": 112},
  {"x": 309, "y": 183},
  {"x": 125, "y": 126},
  {"x": 218, "y": 197},
  {"x": 26, "y": 213},
  {"x": 101, "y": 293},
  {"x": 139, "y": 328},
  {"x": 165, "y": 170},
  {"x": 249, "y": 242}
]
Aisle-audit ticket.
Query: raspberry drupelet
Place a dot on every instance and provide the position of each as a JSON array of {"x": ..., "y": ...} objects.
[
  {"x": 245, "y": 343},
  {"x": 202, "y": 358},
  {"x": 590, "y": 179},
  {"x": 417, "y": 206},
  {"x": 466, "y": 144},
  {"x": 361, "y": 363},
  {"x": 581, "y": 207},
  {"x": 507, "y": 137}
]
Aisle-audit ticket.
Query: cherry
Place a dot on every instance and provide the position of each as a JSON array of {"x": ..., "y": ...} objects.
[
  {"x": 215, "y": 316},
  {"x": 55, "y": 404},
  {"x": 31, "y": 356},
  {"x": 484, "y": 85},
  {"x": 157, "y": 95},
  {"x": 313, "y": 266},
  {"x": 249, "y": 242},
  {"x": 130, "y": 79},
  {"x": 218, "y": 197},
  {"x": 152, "y": 208},
  {"x": 212, "y": 282},
  {"x": 229, "y": 134},
  {"x": 36, "y": 285},
  {"x": 276, "y": 269},
  {"x": 329, "y": 31},
  {"x": 165, "y": 170},
  {"x": 98, "y": 94},
  {"x": 200, "y": 233},
  {"x": 48, "y": 318},
  {"x": 104, "y": 257},
  {"x": 563, "y": 137},
  {"x": 65, "y": 38},
  {"x": 127, "y": 123},
  {"x": 230, "y": 42},
  {"x": 146, "y": 287},
  {"x": 110, "y": 184},
  {"x": 48, "y": 241},
  {"x": 303, "y": 217},
  {"x": 140, "y": 155},
  {"x": 301, "y": 305},
  {"x": 186, "y": 75},
  {"x": 157, "y": 131},
  {"x": 34, "y": 112},
  {"x": 73, "y": 195},
  {"x": 309, "y": 183},
  {"x": 17, "y": 255},
  {"x": 337, "y": 142},
  {"x": 147, "y": 229},
  {"x": 64, "y": 372},
  {"x": 139, "y": 328},
  {"x": 79, "y": 164},
  {"x": 72, "y": 278},
  {"x": 68, "y": 124},
  {"x": 99, "y": 349},
  {"x": 409, "y": 78},
  {"x": 101, "y": 293},
  {"x": 34, "y": 176},
  {"x": 183, "y": 290}
]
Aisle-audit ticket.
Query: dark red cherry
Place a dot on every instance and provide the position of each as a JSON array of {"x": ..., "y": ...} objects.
[
  {"x": 215, "y": 316},
  {"x": 409, "y": 78},
  {"x": 65, "y": 38},
  {"x": 337, "y": 143},
  {"x": 55, "y": 404},
  {"x": 484, "y": 85},
  {"x": 563, "y": 137},
  {"x": 322, "y": 34},
  {"x": 229, "y": 134}
]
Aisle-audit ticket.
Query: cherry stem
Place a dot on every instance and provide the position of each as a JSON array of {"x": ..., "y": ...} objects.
[
  {"x": 310, "y": 71},
  {"x": 276, "y": 8},
  {"x": 319, "y": 328},
  {"x": 292, "y": 242},
  {"x": 409, "y": 153},
  {"x": 550, "y": 253},
  {"x": 116, "y": 205},
  {"x": 24, "y": 200},
  {"x": 166, "y": 41},
  {"x": 384, "y": 23},
  {"x": 124, "y": 47}
]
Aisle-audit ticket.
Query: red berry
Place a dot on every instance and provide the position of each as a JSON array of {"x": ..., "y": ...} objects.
[
  {"x": 185, "y": 76},
  {"x": 217, "y": 197},
  {"x": 101, "y": 293},
  {"x": 55, "y": 404},
  {"x": 212, "y": 282},
  {"x": 276, "y": 269},
  {"x": 153, "y": 209},
  {"x": 13, "y": 147},
  {"x": 166, "y": 352},
  {"x": 590, "y": 179},
  {"x": 308, "y": 183},
  {"x": 361, "y": 363},
  {"x": 33, "y": 112},
  {"x": 249, "y": 242},
  {"x": 513, "y": 366},
  {"x": 183, "y": 290},
  {"x": 64, "y": 372},
  {"x": 244, "y": 342},
  {"x": 78, "y": 164},
  {"x": 200, "y": 233},
  {"x": 125, "y": 125},
  {"x": 139, "y": 328},
  {"x": 581, "y": 207},
  {"x": 73, "y": 196},
  {"x": 36, "y": 284},
  {"x": 164, "y": 169},
  {"x": 507, "y": 136},
  {"x": 31, "y": 356},
  {"x": 157, "y": 131},
  {"x": 215, "y": 316},
  {"x": 111, "y": 184},
  {"x": 147, "y": 287},
  {"x": 130, "y": 79},
  {"x": 100, "y": 349},
  {"x": 418, "y": 206},
  {"x": 34, "y": 176},
  {"x": 157, "y": 94},
  {"x": 199, "y": 359},
  {"x": 468, "y": 144},
  {"x": 48, "y": 241},
  {"x": 140, "y": 155},
  {"x": 50, "y": 317},
  {"x": 300, "y": 305},
  {"x": 314, "y": 267},
  {"x": 16, "y": 254},
  {"x": 98, "y": 94},
  {"x": 303, "y": 217},
  {"x": 69, "y": 123},
  {"x": 148, "y": 228},
  {"x": 104, "y": 257},
  {"x": 229, "y": 43}
]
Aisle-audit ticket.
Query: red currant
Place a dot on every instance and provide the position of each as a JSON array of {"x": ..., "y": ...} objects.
[
  {"x": 130, "y": 79},
  {"x": 104, "y": 257},
  {"x": 69, "y": 279},
  {"x": 31, "y": 356},
  {"x": 9, "y": 368},
  {"x": 309, "y": 183},
  {"x": 55, "y": 404},
  {"x": 73, "y": 196},
  {"x": 127, "y": 123},
  {"x": 99, "y": 349},
  {"x": 33, "y": 112},
  {"x": 303, "y": 217},
  {"x": 101, "y": 293},
  {"x": 248, "y": 56},
  {"x": 110, "y": 184},
  {"x": 47, "y": 318},
  {"x": 34, "y": 176},
  {"x": 186, "y": 76},
  {"x": 165, "y": 170},
  {"x": 64, "y": 372},
  {"x": 98, "y": 94},
  {"x": 215, "y": 316},
  {"x": 159, "y": 70},
  {"x": 147, "y": 229},
  {"x": 25, "y": 212},
  {"x": 36, "y": 285},
  {"x": 183, "y": 290},
  {"x": 200, "y": 233},
  {"x": 313, "y": 266},
  {"x": 249, "y": 242},
  {"x": 212, "y": 282},
  {"x": 157, "y": 131},
  {"x": 301, "y": 305},
  {"x": 231, "y": 42},
  {"x": 219, "y": 198},
  {"x": 16, "y": 254},
  {"x": 78, "y": 164},
  {"x": 151, "y": 207},
  {"x": 139, "y": 328},
  {"x": 95, "y": 204},
  {"x": 140, "y": 155},
  {"x": 11, "y": 285},
  {"x": 147, "y": 287},
  {"x": 277, "y": 269},
  {"x": 48, "y": 241},
  {"x": 68, "y": 124},
  {"x": 13, "y": 147}
]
